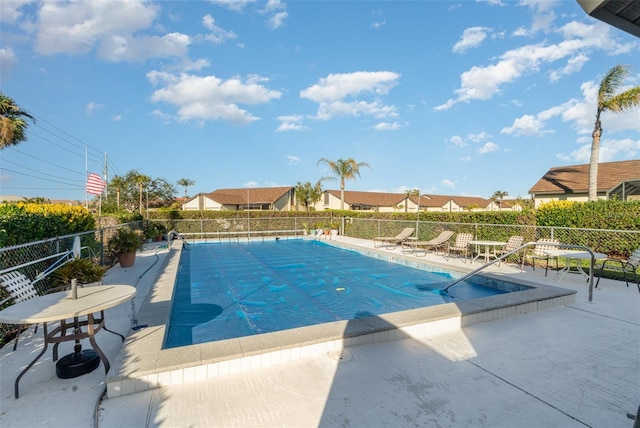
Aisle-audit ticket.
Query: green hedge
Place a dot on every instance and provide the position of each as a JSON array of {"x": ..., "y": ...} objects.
[
  {"x": 613, "y": 214},
  {"x": 21, "y": 223}
]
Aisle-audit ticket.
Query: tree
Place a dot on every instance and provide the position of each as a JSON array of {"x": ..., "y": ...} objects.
[
  {"x": 617, "y": 103},
  {"x": 308, "y": 194},
  {"x": 343, "y": 169},
  {"x": 412, "y": 193},
  {"x": 499, "y": 195},
  {"x": 12, "y": 122},
  {"x": 185, "y": 182},
  {"x": 129, "y": 191}
]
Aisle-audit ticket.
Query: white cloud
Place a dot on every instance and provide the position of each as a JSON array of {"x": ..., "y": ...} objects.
[
  {"x": 457, "y": 141},
  {"x": 471, "y": 38},
  {"x": 277, "y": 13},
  {"x": 218, "y": 35},
  {"x": 484, "y": 82},
  {"x": 573, "y": 65},
  {"x": 109, "y": 27},
  {"x": 330, "y": 93},
  {"x": 610, "y": 150},
  {"x": 234, "y": 5},
  {"x": 448, "y": 183},
  {"x": 92, "y": 107},
  {"x": 10, "y": 10},
  {"x": 525, "y": 125},
  {"x": 476, "y": 138},
  {"x": 293, "y": 160},
  {"x": 291, "y": 123},
  {"x": 204, "y": 98},
  {"x": 387, "y": 126},
  {"x": 7, "y": 61},
  {"x": 488, "y": 148}
]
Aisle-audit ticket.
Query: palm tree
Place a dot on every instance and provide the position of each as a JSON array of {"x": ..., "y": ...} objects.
[
  {"x": 186, "y": 183},
  {"x": 499, "y": 195},
  {"x": 410, "y": 193},
  {"x": 12, "y": 123},
  {"x": 344, "y": 169},
  {"x": 119, "y": 183},
  {"x": 617, "y": 103},
  {"x": 142, "y": 181}
]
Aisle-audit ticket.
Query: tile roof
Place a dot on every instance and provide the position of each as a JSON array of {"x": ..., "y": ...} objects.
[
  {"x": 462, "y": 201},
  {"x": 374, "y": 199},
  {"x": 257, "y": 195},
  {"x": 575, "y": 178}
]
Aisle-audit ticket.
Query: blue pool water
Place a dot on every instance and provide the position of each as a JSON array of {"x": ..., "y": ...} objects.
[{"x": 226, "y": 290}]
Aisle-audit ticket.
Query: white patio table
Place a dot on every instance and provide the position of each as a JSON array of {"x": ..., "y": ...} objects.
[
  {"x": 575, "y": 257},
  {"x": 62, "y": 307},
  {"x": 487, "y": 251}
]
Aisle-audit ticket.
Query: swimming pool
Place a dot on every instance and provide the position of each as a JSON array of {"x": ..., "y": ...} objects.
[
  {"x": 225, "y": 291},
  {"x": 145, "y": 363}
]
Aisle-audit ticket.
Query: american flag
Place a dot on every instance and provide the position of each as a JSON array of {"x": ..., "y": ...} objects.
[{"x": 95, "y": 185}]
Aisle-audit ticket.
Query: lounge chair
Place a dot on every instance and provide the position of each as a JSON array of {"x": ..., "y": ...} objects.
[
  {"x": 419, "y": 248},
  {"x": 538, "y": 253},
  {"x": 512, "y": 243},
  {"x": 628, "y": 267},
  {"x": 391, "y": 242},
  {"x": 461, "y": 245}
]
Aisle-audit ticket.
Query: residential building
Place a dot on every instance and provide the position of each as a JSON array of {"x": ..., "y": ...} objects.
[
  {"x": 257, "y": 198},
  {"x": 571, "y": 183}
]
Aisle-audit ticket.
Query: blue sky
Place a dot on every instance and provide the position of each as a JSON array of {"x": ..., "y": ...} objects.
[{"x": 450, "y": 97}]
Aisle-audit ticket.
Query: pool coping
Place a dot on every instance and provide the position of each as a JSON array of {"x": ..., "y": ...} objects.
[{"x": 142, "y": 364}]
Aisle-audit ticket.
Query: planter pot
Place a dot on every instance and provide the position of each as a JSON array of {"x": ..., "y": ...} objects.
[
  {"x": 126, "y": 259},
  {"x": 334, "y": 232}
]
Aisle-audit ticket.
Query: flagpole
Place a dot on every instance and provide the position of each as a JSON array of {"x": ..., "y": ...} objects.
[{"x": 86, "y": 174}]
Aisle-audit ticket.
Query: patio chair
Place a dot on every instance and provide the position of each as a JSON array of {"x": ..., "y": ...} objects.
[
  {"x": 461, "y": 245},
  {"x": 391, "y": 242},
  {"x": 512, "y": 243},
  {"x": 628, "y": 267},
  {"x": 21, "y": 288},
  {"x": 538, "y": 253},
  {"x": 420, "y": 247}
]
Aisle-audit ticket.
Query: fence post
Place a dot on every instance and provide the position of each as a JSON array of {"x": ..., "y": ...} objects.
[{"x": 101, "y": 234}]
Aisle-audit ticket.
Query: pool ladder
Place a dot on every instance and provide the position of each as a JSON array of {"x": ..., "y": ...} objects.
[{"x": 520, "y": 248}]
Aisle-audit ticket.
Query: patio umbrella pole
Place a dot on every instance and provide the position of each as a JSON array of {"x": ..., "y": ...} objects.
[{"x": 79, "y": 362}]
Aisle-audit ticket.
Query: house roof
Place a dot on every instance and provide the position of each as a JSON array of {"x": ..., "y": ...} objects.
[
  {"x": 623, "y": 14},
  {"x": 372, "y": 199},
  {"x": 244, "y": 196},
  {"x": 462, "y": 201},
  {"x": 575, "y": 178}
]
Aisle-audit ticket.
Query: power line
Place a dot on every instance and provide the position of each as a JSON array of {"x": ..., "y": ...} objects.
[
  {"x": 45, "y": 161},
  {"x": 35, "y": 176}
]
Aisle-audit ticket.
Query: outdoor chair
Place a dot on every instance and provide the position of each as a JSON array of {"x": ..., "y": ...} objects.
[
  {"x": 391, "y": 242},
  {"x": 628, "y": 267},
  {"x": 538, "y": 253},
  {"x": 512, "y": 243},
  {"x": 419, "y": 248},
  {"x": 461, "y": 245},
  {"x": 20, "y": 288}
]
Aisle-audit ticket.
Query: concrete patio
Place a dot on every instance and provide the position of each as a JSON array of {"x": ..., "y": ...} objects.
[{"x": 573, "y": 365}]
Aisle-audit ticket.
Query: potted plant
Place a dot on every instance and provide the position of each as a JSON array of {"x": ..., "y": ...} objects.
[
  {"x": 83, "y": 270},
  {"x": 154, "y": 231},
  {"x": 334, "y": 228},
  {"x": 124, "y": 245}
]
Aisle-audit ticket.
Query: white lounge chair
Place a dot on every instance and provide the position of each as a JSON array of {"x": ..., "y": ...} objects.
[
  {"x": 419, "y": 248},
  {"x": 391, "y": 242}
]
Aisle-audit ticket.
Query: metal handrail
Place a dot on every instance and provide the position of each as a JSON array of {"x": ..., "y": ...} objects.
[{"x": 528, "y": 244}]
